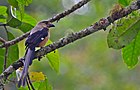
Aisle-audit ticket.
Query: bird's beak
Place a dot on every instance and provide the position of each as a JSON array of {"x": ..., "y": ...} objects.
[{"x": 51, "y": 25}]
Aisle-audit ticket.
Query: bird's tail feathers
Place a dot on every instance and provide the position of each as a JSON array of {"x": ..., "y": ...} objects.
[{"x": 28, "y": 60}]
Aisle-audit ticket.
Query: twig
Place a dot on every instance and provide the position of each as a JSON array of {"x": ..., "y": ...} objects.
[
  {"x": 14, "y": 41},
  {"x": 5, "y": 58},
  {"x": 6, "y": 52},
  {"x": 53, "y": 19},
  {"x": 30, "y": 83},
  {"x": 2, "y": 40},
  {"x": 3, "y": 24},
  {"x": 67, "y": 12}
]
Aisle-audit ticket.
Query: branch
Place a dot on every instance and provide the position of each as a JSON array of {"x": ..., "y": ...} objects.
[
  {"x": 5, "y": 58},
  {"x": 14, "y": 41},
  {"x": 6, "y": 52},
  {"x": 101, "y": 24},
  {"x": 2, "y": 40},
  {"x": 53, "y": 19}
]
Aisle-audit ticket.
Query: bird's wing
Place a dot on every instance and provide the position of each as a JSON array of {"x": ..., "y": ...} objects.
[{"x": 34, "y": 39}]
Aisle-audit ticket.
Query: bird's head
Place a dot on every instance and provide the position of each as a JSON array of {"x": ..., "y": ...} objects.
[{"x": 46, "y": 24}]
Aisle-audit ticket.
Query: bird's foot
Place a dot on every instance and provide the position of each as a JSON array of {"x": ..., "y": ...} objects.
[{"x": 39, "y": 58}]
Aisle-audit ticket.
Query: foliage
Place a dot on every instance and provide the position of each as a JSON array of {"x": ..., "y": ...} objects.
[
  {"x": 19, "y": 20},
  {"x": 124, "y": 35}
]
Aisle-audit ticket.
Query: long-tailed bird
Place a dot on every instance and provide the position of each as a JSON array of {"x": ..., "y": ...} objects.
[{"x": 38, "y": 37}]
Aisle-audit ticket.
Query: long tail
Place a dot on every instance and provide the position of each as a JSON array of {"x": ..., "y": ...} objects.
[{"x": 28, "y": 60}]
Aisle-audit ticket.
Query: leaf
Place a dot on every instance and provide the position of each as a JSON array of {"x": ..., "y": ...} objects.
[
  {"x": 3, "y": 10},
  {"x": 14, "y": 22},
  {"x": 122, "y": 35},
  {"x": 11, "y": 20},
  {"x": 124, "y": 2},
  {"x": 1, "y": 60},
  {"x": 3, "y": 14},
  {"x": 13, "y": 52},
  {"x": 36, "y": 76},
  {"x": 25, "y": 27},
  {"x": 131, "y": 52},
  {"x": 29, "y": 19},
  {"x": 53, "y": 58},
  {"x": 45, "y": 85},
  {"x": 2, "y": 17},
  {"x": 28, "y": 22},
  {"x": 14, "y": 3},
  {"x": 27, "y": 2},
  {"x": 21, "y": 4}
]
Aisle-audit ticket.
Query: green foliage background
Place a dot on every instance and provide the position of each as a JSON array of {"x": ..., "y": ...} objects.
[{"x": 87, "y": 64}]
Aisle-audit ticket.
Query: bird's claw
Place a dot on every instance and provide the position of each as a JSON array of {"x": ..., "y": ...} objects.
[{"x": 39, "y": 58}]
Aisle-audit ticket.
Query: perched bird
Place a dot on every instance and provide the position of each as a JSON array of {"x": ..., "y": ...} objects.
[{"x": 38, "y": 37}]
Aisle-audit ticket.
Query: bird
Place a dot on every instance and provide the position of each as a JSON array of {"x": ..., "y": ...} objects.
[{"x": 38, "y": 37}]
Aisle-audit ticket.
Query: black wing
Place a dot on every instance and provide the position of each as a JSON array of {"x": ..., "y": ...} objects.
[{"x": 34, "y": 39}]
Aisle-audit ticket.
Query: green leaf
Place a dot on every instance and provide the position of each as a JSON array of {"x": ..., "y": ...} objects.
[
  {"x": 13, "y": 52},
  {"x": 14, "y": 3},
  {"x": 53, "y": 58},
  {"x": 124, "y": 2},
  {"x": 13, "y": 22},
  {"x": 123, "y": 33},
  {"x": 2, "y": 17},
  {"x": 3, "y": 10},
  {"x": 131, "y": 52},
  {"x": 27, "y": 2},
  {"x": 29, "y": 19},
  {"x": 45, "y": 85},
  {"x": 28, "y": 22},
  {"x": 1, "y": 59},
  {"x": 21, "y": 4},
  {"x": 25, "y": 27},
  {"x": 3, "y": 14}
]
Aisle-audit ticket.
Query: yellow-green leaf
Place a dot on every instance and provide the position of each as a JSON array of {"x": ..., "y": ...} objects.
[
  {"x": 53, "y": 58},
  {"x": 37, "y": 76}
]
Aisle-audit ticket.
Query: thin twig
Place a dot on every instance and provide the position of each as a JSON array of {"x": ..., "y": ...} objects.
[
  {"x": 30, "y": 83},
  {"x": 67, "y": 12},
  {"x": 53, "y": 19},
  {"x": 2, "y": 40},
  {"x": 101, "y": 24},
  {"x": 14, "y": 41},
  {"x": 6, "y": 52},
  {"x": 1, "y": 24},
  {"x": 5, "y": 58}
]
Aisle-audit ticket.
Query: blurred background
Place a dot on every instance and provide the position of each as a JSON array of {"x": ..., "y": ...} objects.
[{"x": 88, "y": 63}]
